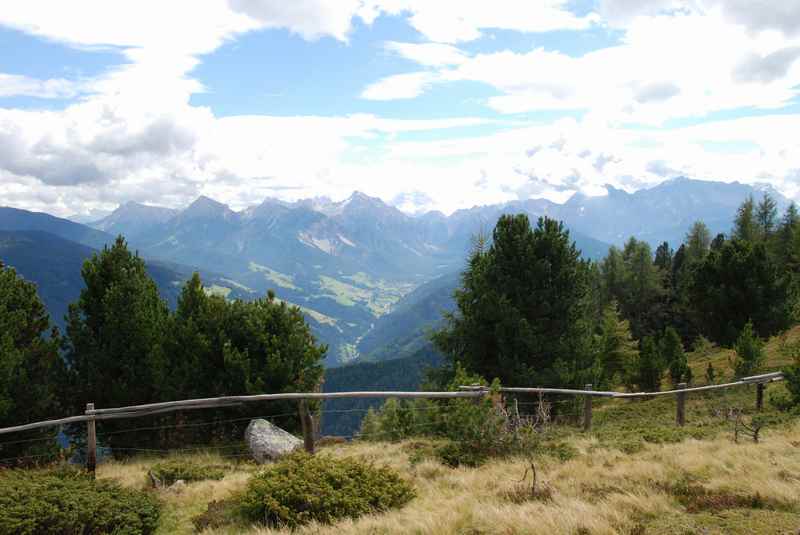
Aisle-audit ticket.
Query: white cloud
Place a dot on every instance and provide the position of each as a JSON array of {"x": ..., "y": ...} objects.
[
  {"x": 452, "y": 21},
  {"x": 134, "y": 135},
  {"x": 428, "y": 54},
  {"x": 650, "y": 77},
  {"x": 400, "y": 86},
  {"x": 311, "y": 19},
  {"x": 12, "y": 85},
  {"x": 755, "y": 15}
]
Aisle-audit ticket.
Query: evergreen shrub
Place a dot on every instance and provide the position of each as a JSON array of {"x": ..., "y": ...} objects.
[
  {"x": 66, "y": 501},
  {"x": 302, "y": 488}
]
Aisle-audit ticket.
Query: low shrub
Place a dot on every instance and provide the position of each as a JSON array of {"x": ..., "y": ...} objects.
[
  {"x": 65, "y": 501},
  {"x": 217, "y": 515},
  {"x": 781, "y": 400},
  {"x": 697, "y": 498},
  {"x": 168, "y": 472},
  {"x": 302, "y": 488}
]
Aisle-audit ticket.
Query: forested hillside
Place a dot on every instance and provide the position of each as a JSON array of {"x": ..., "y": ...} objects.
[
  {"x": 55, "y": 264},
  {"x": 342, "y": 417}
]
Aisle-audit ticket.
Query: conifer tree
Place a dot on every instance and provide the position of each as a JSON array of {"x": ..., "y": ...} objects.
[
  {"x": 116, "y": 332},
  {"x": 522, "y": 307},
  {"x": 615, "y": 346},
  {"x": 649, "y": 367},
  {"x": 785, "y": 242},
  {"x": 736, "y": 284},
  {"x": 31, "y": 370},
  {"x": 674, "y": 356},
  {"x": 642, "y": 303},
  {"x": 749, "y": 352},
  {"x": 698, "y": 241},
  {"x": 664, "y": 254},
  {"x": 766, "y": 216},
  {"x": 745, "y": 227}
]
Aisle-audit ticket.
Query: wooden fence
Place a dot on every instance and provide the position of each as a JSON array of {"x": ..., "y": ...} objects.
[{"x": 92, "y": 414}]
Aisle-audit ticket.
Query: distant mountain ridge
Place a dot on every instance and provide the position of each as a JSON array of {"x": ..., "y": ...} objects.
[
  {"x": 133, "y": 218},
  {"x": 353, "y": 266},
  {"x": 54, "y": 264}
]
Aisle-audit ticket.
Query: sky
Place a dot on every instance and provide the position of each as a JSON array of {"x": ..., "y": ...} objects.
[{"x": 427, "y": 104}]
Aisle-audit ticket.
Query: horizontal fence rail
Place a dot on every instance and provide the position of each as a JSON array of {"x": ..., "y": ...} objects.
[
  {"x": 92, "y": 415},
  {"x": 151, "y": 409},
  {"x": 754, "y": 379},
  {"x": 471, "y": 391}
]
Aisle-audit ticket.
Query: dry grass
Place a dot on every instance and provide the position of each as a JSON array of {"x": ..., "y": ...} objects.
[
  {"x": 600, "y": 491},
  {"x": 679, "y": 486}
]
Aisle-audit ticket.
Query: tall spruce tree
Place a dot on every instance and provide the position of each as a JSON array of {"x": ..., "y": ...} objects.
[{"x": 522, "y": 307}]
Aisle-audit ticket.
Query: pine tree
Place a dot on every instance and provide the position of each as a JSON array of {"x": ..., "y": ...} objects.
[
  {"x": 749, "y": 352},
  {"x": 31, "y": 370},
  {"x": 745, "y": 227},
  {"x": 718, "y": 242},
  {"x": 766, "y": 216},
  {"x": 615, "y": 346},
  {"x": 613, "y": 276},
  {"x": 116, "y": 332},
  {"x": 522, "y": 307},
  {"x": 642, "y": 303},
  {"x": 698, "y": 241},
  {"x": 674, "y": 356},
  {"x": 736, "y": 284},
  {"x": 663, "y": 260},
  {"x": 649, "y": 367},
  {"x": 221, "y": 348},
  {"x": 784, "y": 249}
]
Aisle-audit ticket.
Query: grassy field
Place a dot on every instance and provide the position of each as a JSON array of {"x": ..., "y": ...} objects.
[
  {"x": 636, "y": 473},
  {"x": 678, "y": 488}
]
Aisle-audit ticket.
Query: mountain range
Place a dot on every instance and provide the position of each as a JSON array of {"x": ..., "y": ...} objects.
[{"x": 369, "y": 278}]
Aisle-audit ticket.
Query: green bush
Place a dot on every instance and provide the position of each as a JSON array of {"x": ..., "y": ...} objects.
[
  {"x": 474, "y": 429},
  {"x": 64, "y": 501},
  {"x": 302, "y": 488},
  {"x": 749, "y": 352},
  {"x": 169, "y": 471}
]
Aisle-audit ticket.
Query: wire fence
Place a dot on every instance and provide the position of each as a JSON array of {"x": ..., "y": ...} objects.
[{"x": 559, "y": 401}]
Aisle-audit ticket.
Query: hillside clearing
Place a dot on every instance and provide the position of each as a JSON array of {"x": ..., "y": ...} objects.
[
  {"x": 636, "y": 473},
  {"x": 729, "y": 488}
]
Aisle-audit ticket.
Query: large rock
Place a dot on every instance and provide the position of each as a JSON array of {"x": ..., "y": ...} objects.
[{"x": 269, "y": 442}]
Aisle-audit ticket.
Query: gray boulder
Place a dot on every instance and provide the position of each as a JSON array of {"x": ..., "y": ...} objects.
[{"x": 269, "y": 442}]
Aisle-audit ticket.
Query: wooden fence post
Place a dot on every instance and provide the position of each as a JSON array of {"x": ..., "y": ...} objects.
[
  {"x": 91, "y": 441},
  {"x": 318, "y": 415},
  {"x": 760, "y": 396},
  {"x": 587, "y": 410},
  {"x": 307, "y": 423},
  {"x": 680, "y": 416}
]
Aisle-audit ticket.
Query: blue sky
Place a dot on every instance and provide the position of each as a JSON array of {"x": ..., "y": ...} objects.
[{"x": 428, "y": 105}]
